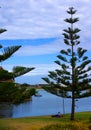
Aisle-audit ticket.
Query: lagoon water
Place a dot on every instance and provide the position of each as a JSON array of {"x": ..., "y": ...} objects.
[{"x": 47, "y": 104}]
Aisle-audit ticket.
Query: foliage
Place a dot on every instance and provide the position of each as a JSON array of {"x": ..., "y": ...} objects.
[
  {"x": 7, "y": 51},
  {"x": 74, "y": 126},
  {"x": 25, "y": 84},
  {"x": 5, "y": 75},
  {"x": 9, "y": 91},
  {"x": 73, "y": 78},
  {"x": 13, "y": 93},
  {"x": 20, "y": 70}
]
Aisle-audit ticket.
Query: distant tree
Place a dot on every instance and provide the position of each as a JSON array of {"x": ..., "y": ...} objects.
[
  {"x": 25, "y": 84},
  {"x": 73, "y": 78},
  {"x": 9, "y": 91}
]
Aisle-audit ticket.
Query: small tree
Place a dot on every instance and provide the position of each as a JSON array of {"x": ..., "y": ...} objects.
[{"x": 74, "y": 73}]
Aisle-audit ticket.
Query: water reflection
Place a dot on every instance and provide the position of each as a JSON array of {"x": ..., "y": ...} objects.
[
  {"x": 22, "y": 109},
  {"x": 47, "y": 104},
  {"x": 6, "y": 110}
]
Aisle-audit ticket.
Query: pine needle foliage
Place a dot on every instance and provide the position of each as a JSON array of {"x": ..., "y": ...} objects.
[{"x": 9, "y": 90}]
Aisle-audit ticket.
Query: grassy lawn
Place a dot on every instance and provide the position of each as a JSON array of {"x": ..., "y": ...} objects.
[{"x": 83, "y": 119}]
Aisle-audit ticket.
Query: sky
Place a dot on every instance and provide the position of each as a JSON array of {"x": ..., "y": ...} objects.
[{"x": 37, "y": 25}]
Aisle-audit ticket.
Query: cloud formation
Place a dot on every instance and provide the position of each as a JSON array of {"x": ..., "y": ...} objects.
[
  {"x": 47, "y": 48},
  {"x": 36, "y": 19},
  {"x": 41, "y": 18}
]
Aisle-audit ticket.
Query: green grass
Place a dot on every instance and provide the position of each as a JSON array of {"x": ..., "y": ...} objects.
[{"x": 82, "y": 122}]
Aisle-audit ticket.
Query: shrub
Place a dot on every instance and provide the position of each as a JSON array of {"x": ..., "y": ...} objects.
[{"x": 71, "y": 126}]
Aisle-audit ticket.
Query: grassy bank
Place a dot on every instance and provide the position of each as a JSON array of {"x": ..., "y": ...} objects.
[{"x": 82, "y": 122}]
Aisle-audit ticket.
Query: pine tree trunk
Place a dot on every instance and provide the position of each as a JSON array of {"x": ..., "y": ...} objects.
[
  {"x": 72, "y": 107},
  {"x": 73, "y": 81}
]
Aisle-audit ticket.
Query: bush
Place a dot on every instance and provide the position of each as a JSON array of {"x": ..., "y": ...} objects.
[
  {"x": 71, "y": 126},
  {"x": 12, "y": 93}
]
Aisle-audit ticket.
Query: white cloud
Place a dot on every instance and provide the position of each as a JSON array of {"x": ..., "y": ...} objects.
[
  {"x": 41, "y": 18},
  {"x": 42, "y": 69},
  {"x": 48, "y": 48}
]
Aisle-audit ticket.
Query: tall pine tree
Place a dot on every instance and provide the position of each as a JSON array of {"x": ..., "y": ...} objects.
[{"x": 73, "y": 78}]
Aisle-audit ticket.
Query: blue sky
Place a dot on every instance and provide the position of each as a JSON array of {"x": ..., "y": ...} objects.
[{"x": 38, "y": 25}]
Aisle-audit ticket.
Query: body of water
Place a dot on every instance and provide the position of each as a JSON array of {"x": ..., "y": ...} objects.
[{"x": 47, "y": 104}]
